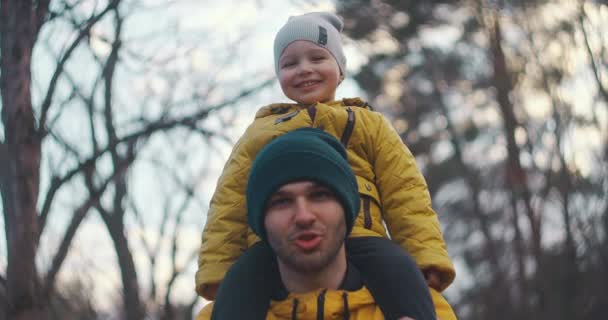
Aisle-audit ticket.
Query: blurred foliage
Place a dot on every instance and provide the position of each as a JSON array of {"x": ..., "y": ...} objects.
[{"x": 504, "y": 105}]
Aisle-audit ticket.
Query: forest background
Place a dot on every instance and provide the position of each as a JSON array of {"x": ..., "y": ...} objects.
[{"x": 117, "y": 117}]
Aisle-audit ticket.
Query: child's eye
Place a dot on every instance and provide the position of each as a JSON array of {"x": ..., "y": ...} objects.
[
  {"x": 288, "y": 64},
  {"x": 318, "y": 58}
]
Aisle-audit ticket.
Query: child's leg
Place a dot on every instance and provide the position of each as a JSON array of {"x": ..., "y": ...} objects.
[
  {"x": 392, "y": 277},
  {"x": 248, "y": 286}
]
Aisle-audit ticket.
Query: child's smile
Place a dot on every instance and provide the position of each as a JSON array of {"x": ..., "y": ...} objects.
[
  {"x": 307, "y": 84},
  {"x": 308, "y": 73}
]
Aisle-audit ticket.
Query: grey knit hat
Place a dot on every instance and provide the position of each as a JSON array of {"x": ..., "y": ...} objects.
[
  {"x": 321, "y": 28},
  {"x": 305, "y": 154}
]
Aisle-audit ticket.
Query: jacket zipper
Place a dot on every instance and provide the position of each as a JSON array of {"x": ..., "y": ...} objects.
[
  {"x": 294, "y": 311},
  {"x": 321, "y": 305},
  {"x": 287, "y": 117},
  {"x": 346, "y": 308},
  {"x": 312, "y": 112}
]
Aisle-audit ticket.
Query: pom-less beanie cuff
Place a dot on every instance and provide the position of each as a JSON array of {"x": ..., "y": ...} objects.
[{"x": 320, "y": 28}]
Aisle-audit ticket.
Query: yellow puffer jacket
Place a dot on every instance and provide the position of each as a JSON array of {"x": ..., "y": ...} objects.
[
  {"x": 361, "y": 306},
  {"x": 320, "y": 304},
  {"x": 392, "y": 189}
]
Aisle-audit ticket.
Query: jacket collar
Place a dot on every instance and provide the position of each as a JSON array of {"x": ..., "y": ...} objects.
[
  {"x": 281, "y": 108},
  {"x": 323, "y": 303},
  {"x": 351, "y": 282}
]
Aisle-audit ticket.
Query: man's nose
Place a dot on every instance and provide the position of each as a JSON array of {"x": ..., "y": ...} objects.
[{"x": 304, "y": 214}]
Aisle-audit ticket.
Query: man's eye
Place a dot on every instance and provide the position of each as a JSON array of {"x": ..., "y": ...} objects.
[
  {"x": 321, "y": 195},
  {"x": 278, "y": 202}
]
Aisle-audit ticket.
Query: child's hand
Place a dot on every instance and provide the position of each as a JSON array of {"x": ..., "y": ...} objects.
[
  {"x": 210, "y": 290},
  {"x": 433, "y": 278}
]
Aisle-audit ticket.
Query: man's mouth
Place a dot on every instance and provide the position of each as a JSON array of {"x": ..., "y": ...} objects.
[{"x": 308, "y": 241}]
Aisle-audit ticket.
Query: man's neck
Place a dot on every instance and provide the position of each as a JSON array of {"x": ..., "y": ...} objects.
[{"x": 329, "y": 277}]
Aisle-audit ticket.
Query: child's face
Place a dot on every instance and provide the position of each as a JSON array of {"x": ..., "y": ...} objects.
[{"x": 308, "y": 73}]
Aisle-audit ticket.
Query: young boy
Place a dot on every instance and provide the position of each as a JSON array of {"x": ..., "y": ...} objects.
[{"x": 310, "y": 65}]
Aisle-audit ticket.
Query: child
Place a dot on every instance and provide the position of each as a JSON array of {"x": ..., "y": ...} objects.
[{"x": 310, "y": 65}]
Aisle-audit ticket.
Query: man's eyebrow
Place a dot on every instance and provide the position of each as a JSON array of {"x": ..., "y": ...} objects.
[
  {"x": 322, "y": 188},
  {"x": 278, "y": 193}
]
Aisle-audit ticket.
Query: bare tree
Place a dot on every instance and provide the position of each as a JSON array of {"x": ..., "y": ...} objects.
[
  {"x": 98, "y": 161},
  {"x": 20, "y": 23}
]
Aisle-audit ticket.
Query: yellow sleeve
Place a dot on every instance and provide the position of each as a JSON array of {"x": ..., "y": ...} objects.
[
  {"x": 406, "y": 202},
  {"x": 442, "y": 307},
  {"x": 205, "y": 313},
  {"x": 225, "y": 233}
]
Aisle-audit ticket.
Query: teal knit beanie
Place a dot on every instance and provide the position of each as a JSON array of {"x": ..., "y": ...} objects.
[{"x": 305, "y": 154}]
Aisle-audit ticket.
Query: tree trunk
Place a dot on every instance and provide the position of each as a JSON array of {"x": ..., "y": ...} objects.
[
  {"x": 515, "y": 173},
  {"x": 20, "y": 155},
  {"x": 133, "y": 307}
]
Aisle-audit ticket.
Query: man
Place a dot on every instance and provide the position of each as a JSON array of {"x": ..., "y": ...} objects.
[{"x": 302, "y": 200}]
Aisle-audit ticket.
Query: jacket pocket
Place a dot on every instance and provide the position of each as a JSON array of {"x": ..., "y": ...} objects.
[
  {"x": 367, "y": 214},
  {"x": 370, "y": 204}
]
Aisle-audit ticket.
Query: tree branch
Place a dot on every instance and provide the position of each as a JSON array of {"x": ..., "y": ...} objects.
[
  {"x": 84, "y": 32},
  {"x": 153, "y": 127},
  {"x": 41, "y": 11},
  {"x": 594, "y": 67},
  {"x": 78, "y": 216}
]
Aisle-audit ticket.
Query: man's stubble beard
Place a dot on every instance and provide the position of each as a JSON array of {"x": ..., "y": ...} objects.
[{"x": 310, "y": 263}]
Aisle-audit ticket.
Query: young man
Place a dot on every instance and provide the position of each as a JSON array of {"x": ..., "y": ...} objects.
[{"x": 302, "y": 201}]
